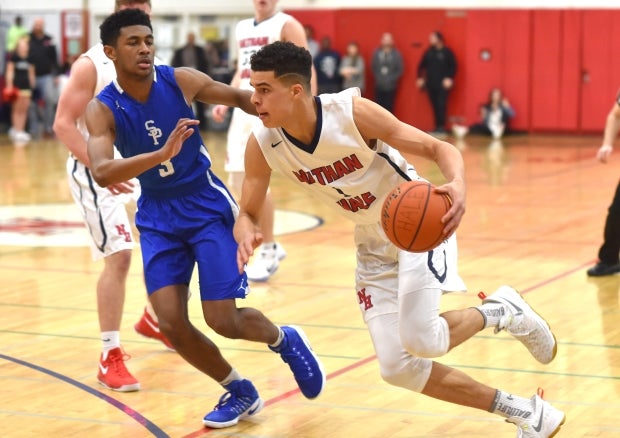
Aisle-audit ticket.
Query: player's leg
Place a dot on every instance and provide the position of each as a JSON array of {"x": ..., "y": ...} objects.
[
  {"x": 241, "y": 399},
  {"x": 400, "y": 368},
  {"x": 168, "y": 265},
  {"x": 608, "y": 253},
  {"x": 221, "y": 284},
  {"x": 108, "y": 224}
]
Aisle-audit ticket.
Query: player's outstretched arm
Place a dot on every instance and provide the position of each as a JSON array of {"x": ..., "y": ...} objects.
[{"x": 200, "y": 86}]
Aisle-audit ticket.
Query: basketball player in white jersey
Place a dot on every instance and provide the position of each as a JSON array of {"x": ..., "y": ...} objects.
[
  {"x": 103, "y": 210},
  {"x": 336, "y": 147},
  {"x": 267, "y": 25}
]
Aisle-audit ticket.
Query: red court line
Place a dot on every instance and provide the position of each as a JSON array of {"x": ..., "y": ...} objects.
[{"x": 292, "y": 392}]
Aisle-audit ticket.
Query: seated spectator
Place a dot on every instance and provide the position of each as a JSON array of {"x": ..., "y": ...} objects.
[{"x": 495, "y": 116}]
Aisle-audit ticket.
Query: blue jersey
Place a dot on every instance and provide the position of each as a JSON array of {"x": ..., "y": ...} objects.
[
  {"x": 185, "y": 213},
  {"x": 145, "y": 127}
]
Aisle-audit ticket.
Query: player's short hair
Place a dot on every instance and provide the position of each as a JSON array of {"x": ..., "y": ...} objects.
[
  {"x": 288, "y": 61},
  {"x": 110, "y": 29},
  {"x": 120, "y": 3}
]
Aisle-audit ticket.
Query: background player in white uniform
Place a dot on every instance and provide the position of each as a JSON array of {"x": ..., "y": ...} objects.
[
  {"x": 103, "y": 210},
  {"x": 251, "y": 34},
  {"x": 336, "y": 147}
]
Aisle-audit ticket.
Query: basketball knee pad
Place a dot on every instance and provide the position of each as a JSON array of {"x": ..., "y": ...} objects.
[
  {"x": 409, "y": 372},
  {"x": 430, "y": 341}
]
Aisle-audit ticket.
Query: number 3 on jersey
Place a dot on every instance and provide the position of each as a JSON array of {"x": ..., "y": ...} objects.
[{"x": 168, "y": 169}]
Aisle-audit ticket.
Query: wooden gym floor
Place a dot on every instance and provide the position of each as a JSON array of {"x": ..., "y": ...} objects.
[{"x": 535, "y": 215}]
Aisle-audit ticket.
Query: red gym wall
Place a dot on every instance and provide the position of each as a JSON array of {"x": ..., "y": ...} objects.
[{"x": 559, "y": 68}]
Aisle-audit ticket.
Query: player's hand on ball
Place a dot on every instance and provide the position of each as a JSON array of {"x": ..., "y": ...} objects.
[{"x": 452, "y": 219}]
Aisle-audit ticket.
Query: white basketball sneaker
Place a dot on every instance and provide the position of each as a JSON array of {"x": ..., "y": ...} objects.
[
  {"x": 265, "y": 263},
  {"x": 522, "y": 322},
  {"x": 544, "y": 422}
]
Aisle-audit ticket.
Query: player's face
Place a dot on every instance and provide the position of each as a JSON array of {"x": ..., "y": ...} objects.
[
  {"x": 272, "y": 98},
  {"x": 135, "y": 51}
]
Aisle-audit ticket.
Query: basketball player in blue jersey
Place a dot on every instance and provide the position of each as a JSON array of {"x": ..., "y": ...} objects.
[
  {"x": 337, "y": 147},
  {"x": 185, "y": 214}
]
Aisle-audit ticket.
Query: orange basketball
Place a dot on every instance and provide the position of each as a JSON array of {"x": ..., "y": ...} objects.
[{"x": 411, "y": 216}]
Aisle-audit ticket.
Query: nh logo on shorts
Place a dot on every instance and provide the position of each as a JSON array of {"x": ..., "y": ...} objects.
[
  {"x": 364, "y": 299},
  {"x": 120, "y": 229},
  {"x": 153, "y": 131}
]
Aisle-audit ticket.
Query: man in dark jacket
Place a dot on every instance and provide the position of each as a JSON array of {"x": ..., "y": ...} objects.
[
  {"x": 191, "y": 55},
  {"x": 436, "y": 72},
  {"x": 43, "y": 54}
]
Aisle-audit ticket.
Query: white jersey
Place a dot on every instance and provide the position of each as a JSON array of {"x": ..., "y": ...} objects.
[
  {"x": 251, "y": 36},
  {"x": 338, "y": 166},
  {"x": 105, "y": 74}
]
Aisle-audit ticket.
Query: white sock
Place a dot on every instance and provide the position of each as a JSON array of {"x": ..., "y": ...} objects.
[
  {"x": 508, "y": 405},
  {"x": 492, "y": 313},
  {"x": 269, "y": 246},
  {"x": 279, "y": 340},
  {"x": 110, "y": 340},
  {"x": 234, "y": 375}
]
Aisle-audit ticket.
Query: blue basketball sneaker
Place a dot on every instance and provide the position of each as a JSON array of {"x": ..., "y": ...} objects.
[
  {"x": 295, "y": 350},
  {"x": 241, "y": 401}
]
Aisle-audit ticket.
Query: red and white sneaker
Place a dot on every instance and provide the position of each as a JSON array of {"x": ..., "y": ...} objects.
[
  {"x": 149, "y": 328},
  {"x": 113, "y": 374}
]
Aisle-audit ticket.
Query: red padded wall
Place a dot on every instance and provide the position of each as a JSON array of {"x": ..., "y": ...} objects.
[{"x": 559, "y": 68}]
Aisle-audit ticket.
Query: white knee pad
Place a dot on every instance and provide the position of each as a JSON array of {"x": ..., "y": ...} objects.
[
  {"x": 432, "y": 340},
  {"x": 397, "y": 366},
  {"x": 422, "y": 331},
  {"x": 409, "y": 372}
]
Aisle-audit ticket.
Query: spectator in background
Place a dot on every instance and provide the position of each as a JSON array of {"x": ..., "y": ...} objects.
[
  {"x": 45, "y": 60},
  {"x": 387, "y": 68},
  {"x": 15, "y": 32},
  {"x": 20, "y": 81},
  {"x": 313, "y": 45},
  {"x": 495, "y": 116},
  {"x": 213, "y": 57},
  {"x": 353, "y": 68},
  {"x": 608, "y": 253},
  {"x": 436, "y": 72},
  {"x": 327, "y": 66},
  {"x": 191, "y": 55}
]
